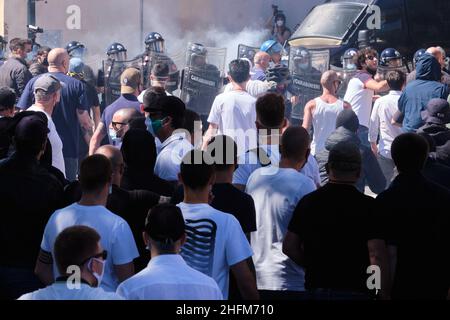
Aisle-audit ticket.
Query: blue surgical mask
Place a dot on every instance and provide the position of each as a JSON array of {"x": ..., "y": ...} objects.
[
  {"x": 30, "y": 56},
  {"x": 115, "y": 140}
]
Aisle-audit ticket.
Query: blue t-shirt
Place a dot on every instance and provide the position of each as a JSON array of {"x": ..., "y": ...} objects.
[
  {"x": 64, "y": 115},
  {"x": 123, "y": 102}
]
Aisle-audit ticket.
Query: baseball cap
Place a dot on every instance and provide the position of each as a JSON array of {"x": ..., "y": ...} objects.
[
  {"x": 165, "y": 223},
  {"x": 32, "y": 128},
  {"x": 47, "y": 83},
  {"x": 130, "y": 80},
  {"x": 438, "y": 112}
]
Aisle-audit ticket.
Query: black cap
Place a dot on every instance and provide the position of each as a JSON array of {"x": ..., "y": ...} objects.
[
  {"x": 165, "y": 223},
  {"x": 438, "y": 112},
  {"x": 32, "y": 128},
  {"x": 347, "y": 119}
]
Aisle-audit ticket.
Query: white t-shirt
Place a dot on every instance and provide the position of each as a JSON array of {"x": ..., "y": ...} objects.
[
  {"x": 324, "y": 123},
  {"x": 276, "y": 196},
  {"x": 360, "y": 98},
  {"x": 234, "y": 113},
  {"x": 223, "y": 241},
  {"x": 255, "y": 88},
  {"x": 380, "y": 123},
  {"x": 171, "y": 154},
  {"x": 60, "y": 291},
  {"x": 249, "y": 162},
  {"x": 141, "y": 96},
  {"x": 55, "y": 141},
  {"x": 115, "y": 233},
  {"x": 168, "y": 277}
]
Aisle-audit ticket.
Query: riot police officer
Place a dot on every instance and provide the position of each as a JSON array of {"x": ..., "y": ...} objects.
[
  {"x": 390, "y": 59},
  {"x": 305, "y": 84},
  {"x": 155, "y": 52},
  {"x": 348, "y": 69},
  {"x": 201, "y": 82},
  {"x": 274, "y": 49},
  {"x": 78, "y": 50},
  {"x": 117, "y": 51}
]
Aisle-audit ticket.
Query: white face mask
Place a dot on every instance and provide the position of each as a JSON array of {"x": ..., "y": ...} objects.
[
  {"x": 97, "y": 276},
  {"x": 115, "y": 140},
  {"x": 280, "y": 23}
]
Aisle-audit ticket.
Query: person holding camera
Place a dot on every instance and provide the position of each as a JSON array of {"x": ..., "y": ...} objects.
[{"x": 277, "y": 23}]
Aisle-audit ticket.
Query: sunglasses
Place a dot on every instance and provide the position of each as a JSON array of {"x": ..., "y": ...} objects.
[
  {"x": 118, "y": 125},
  {"x": 371, "y": 57},
  {"x": 103, "y": 255}
]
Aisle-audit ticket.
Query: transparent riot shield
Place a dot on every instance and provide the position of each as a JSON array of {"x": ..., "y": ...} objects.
[
  {"x": 174, "y": 74},
  {"x": 306, "y": 70},
  {"x": 202, "y": 78},
  {"x": 113, "y": 70},
  {"x": 247, "y": 52}
]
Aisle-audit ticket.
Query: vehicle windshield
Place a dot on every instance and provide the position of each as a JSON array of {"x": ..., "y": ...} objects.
[{"x": 329, "y": 20}]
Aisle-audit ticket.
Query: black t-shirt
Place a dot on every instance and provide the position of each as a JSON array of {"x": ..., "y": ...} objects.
[
  {"x": 231, "y": 200},
  {"x": 418, "y": 212},
  {"x": 140, "y": 179},
  {"x": 335, "y": 223},
  {"x": 91, "y": 94},
  {"x": 133, "y": 206}
]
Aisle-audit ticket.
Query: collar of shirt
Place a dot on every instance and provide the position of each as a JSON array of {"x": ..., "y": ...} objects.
[
  {"x": 165, "y": 259},
  {"x": 178, "y": 136},
  {"x": 395, "y": 93},
  {"x": 130, "y": 97}
]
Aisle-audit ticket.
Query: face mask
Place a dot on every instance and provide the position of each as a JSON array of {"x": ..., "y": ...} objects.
[
  {"x": 97, "y": 276},
  {"x": 304, "y": 66},
  {"x": 29, "y": 57},
  {"x": 115, "y": 140},
  {"x": 154, "y": 126},
  {"x": 110, "y": 190},
  {"x": 280, "y": 23}
]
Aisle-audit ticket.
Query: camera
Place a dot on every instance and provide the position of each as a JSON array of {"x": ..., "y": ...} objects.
[
  {"x": 35, "y": 29},
  {"x": 275, "y": 9}
]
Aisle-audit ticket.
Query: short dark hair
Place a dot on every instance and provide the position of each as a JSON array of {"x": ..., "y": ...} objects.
[
  {"x": 165, "y": 225},
  {"x": 190, "y": 117},
  {"x": 160, "y": 70},
  {"x": 223, "y": 149},
  {"x": 7, "y": 98},
  {"x": 361, "y": 57},
  {"x": 270, "y": 110},
  {"x": 295, "y": 143},
  {"x": 239, "y": 70},
  {"x": 95, "y": 173},
  {"x": 396, "y": 79},
  {"x": 195, "y": 171},
  {"x": 17, "y": 43},
  {"x": 152, "y": 96},
  {"x": 344, "y": 159},
  {"x": 410, "y": 152},
  {"x": 43, "y": 50},
  {"x": 74, "y": 245}
]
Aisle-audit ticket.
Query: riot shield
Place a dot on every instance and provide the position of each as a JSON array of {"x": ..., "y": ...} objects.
[
  {"x": 247, "y": 52},
  {"x": 112, "y": 70},
  {"x": 306, "y": 80},
  {"x": 174, "y": 74},
  {"x": 202, "y": 79}
]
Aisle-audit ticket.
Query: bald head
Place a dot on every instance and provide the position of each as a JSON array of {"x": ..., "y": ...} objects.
[
  {"x": 262, "y": 59},
  {"x": 115, "y": 156},
  {"x": 58, "y": 60},
  {"x": 329, "y": 79},
  {"x": 439, "y": 54},
  {"x": 125, "y": 115}
]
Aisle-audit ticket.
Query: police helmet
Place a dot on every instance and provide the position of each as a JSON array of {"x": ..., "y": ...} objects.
[
  {"x": 347, "y": 59},
  {"x": 390, "y": 57},
  {"x": 302, "y": 59},
  {"x": 197, "y": 54},
  {"x": 76, "y": 49},
  {"x": 154, "y": 42},
  {"x": 418, "y": 54},
  {"x": 117, "y": 51}
]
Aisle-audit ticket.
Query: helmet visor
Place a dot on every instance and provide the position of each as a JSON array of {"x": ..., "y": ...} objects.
[
  {"x": 119, "y": 56},
  {"x": 78, "y": 52},
  {"x": 395, "y": 62},
  {"x": 156, "y": 46}
]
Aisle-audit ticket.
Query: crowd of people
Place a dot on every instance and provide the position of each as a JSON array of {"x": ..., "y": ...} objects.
[{"x": 137, "y": 202}]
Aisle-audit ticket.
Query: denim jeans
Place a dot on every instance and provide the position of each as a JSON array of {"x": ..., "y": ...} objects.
[
  {"x": 71, "y": 168},
  {"x": 15, "y": 282},
  {"x": 363, "y": 135},
  {"x": 388, "y": 167}
]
